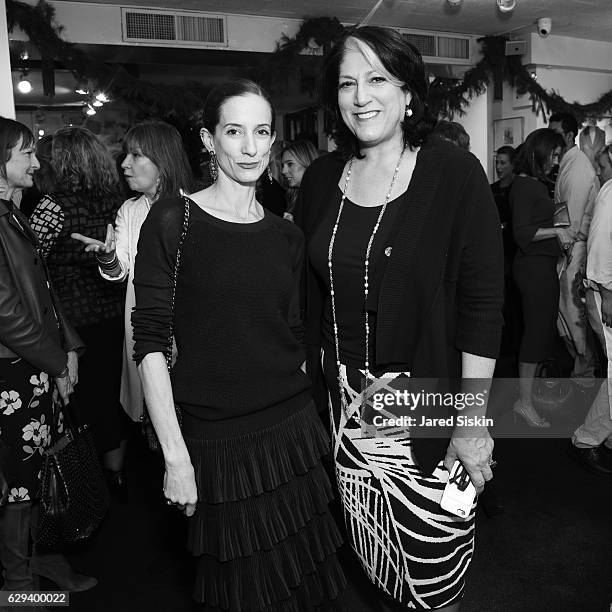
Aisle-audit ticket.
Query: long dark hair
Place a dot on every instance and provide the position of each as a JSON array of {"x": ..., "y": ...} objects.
[
  {"x": 163, "y": 145},
  {"x": 398, "y": 57},
  {"x": 83, "y": 165},
  {"x": 535, "y": 153},
  {"x": 11, "y": 132},
  {"x": 233, "y": 88}
]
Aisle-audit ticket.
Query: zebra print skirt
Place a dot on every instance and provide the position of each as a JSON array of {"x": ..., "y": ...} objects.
[{"x": 409, "y": 547}]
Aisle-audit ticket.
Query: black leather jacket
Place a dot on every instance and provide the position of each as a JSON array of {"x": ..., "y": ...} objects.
[{"x": 32, "y": 323}]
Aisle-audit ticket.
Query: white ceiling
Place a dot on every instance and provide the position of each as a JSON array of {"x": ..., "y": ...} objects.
[{"x": 591, "y": 19}]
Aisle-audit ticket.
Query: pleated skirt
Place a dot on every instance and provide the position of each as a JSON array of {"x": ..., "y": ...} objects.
[{"x": 262, "y": 530}]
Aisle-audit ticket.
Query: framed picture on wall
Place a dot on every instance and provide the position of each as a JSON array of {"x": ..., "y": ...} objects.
[{"x": 508, "y": 132}]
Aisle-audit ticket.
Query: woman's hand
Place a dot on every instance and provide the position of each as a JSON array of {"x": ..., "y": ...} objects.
[
  {"x": 564, "y": 238},
  {"x": 64, "y": 387},
  {"x": 91, "y": 244},
  {"x": 475, "y": 454},
  {"x": 180, "y": 486},
  {"x": 73, "y": 367}
]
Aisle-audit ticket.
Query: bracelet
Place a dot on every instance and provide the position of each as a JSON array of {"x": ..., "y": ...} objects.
[{"x": 105, "y": 259}]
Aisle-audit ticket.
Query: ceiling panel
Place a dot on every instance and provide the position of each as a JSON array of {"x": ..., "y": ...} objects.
[{"x": 579, "y": 18}]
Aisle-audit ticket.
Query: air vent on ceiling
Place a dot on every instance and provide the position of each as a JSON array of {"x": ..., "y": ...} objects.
[
  {"x": 175, "y": 29},
  {"x": 441, "y": 46}
]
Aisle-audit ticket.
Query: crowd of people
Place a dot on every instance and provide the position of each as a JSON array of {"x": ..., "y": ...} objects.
[{"x": 247, "y": 318}]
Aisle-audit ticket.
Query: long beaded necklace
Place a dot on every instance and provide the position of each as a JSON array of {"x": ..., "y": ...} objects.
[{"x": 330, "y": 250}]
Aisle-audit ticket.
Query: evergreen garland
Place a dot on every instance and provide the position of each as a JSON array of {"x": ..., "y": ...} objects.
[{"x": 447, "y": 97}]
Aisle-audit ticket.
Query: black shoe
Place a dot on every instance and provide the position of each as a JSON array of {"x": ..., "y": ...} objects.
[{"x": 591, "y": 459}]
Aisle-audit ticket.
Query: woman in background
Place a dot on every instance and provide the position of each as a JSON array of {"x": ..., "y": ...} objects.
[
  {"x": 156, "y": 166},
  {"x": 295, "y": 158},
  {"x": 38, "y": 353},
  {"x": 535, "y": 264},
  {"x": 86, "y": 199}
]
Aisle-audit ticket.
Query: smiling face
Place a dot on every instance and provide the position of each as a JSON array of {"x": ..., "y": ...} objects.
[
  {"x": 372, "y": 103},
  {"x": 140, "y": 172},
  {"x": 503, "y": 166},
  {"x": 292, "y": 170},
  {"x": 20, "y": 167},
  {"x": 242, "y": 138}
]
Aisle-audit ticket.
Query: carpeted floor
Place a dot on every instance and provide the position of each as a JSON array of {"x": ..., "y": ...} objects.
[{"x": 551, "y": 551}]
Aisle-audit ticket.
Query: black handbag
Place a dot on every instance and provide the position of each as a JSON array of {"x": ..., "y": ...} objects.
[
  {"x": 74, "y": 496},
  {"x": 147, "y": 426}
]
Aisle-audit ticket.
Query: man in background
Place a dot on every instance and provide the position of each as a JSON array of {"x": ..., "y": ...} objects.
[
  {"x": 592, "y": 441},
  {"x": 576, "y": 186}
]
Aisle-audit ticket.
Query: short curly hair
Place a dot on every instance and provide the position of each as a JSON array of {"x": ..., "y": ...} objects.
[{"x": 402, "y": 61}]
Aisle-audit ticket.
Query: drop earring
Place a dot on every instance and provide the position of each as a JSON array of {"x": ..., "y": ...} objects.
[
  {"x": 213, "y": 166},
  {"x": 269, "y": 173}
]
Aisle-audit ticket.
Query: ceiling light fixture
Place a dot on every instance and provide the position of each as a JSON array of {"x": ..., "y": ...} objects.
[
  {"x": 97, "y": 103},
  {"x": 455, "y": 2},
  {"x": 90, "y": 110},
  {"x": 506, "y": 6},
  {"x": 24, "y": 85},
  {"x": 101, "y": 97}
]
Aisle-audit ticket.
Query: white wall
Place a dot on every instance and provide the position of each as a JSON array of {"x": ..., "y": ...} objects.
[
  {"x": 579, "y": 70},
  {"x": 476, "y": 122},
  {"x": 7, "y": 104}
]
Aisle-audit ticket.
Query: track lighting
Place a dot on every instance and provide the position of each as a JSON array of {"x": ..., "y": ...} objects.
[{"x": 81, "y": 87}]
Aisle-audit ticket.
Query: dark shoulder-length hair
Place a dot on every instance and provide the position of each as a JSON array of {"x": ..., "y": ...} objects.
[
  {"x": 220, "y": 94},
  {"x": 535, "y": 152},
  {"x": 400, "y": 59},
  {"x": 11, "y": 133},
  {"x": 163, "y": 145},
  {"x": 44, "y": 177},
  {"x": 82, "y": 165}
]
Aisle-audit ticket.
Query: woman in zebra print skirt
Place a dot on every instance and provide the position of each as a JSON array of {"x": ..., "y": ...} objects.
[{"x": 404, "y": 280}]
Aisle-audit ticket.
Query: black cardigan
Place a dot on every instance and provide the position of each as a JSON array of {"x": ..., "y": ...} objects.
[{"x": 442, "y": 291}]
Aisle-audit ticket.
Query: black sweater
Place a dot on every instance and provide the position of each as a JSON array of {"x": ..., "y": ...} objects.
[
  {"x": 442, "y": 290},
  {"x": 532, "y": 209},
  {"x": 236, "y": 309}
]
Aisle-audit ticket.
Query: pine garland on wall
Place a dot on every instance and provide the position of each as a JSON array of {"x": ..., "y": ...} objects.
[{"x": 447, "y": 97}]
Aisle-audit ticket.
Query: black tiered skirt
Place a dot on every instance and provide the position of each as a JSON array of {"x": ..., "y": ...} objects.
[{"x": 262, "y": 528}]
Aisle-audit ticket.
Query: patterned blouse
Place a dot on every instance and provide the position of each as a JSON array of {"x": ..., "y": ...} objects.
[{"x": 85, "y": 295}]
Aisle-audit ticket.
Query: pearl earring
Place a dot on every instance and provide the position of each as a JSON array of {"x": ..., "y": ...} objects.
[{"x": 408, "y": 112}]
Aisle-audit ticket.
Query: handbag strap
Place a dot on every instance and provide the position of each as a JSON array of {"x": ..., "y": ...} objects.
[{"x": 177, "y": 266}]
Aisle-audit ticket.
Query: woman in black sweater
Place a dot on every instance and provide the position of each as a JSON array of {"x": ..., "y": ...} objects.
[
  {"x": 245, "y": 462},
  {"x": 535, "y": 263}
]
